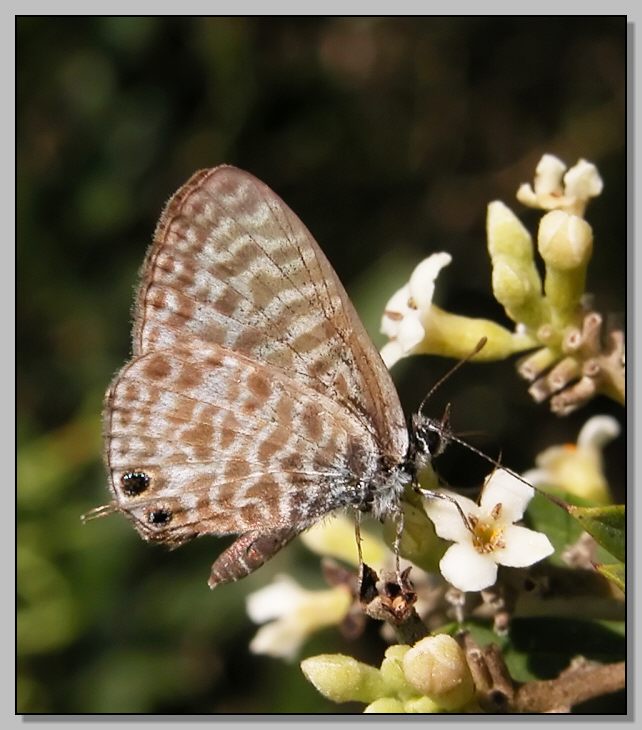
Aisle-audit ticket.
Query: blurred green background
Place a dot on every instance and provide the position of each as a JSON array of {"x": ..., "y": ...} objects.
[{"x": 388, "y": 137}]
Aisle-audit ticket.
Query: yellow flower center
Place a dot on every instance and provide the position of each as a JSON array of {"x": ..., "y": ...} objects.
[{"x": 487, "y": 534}]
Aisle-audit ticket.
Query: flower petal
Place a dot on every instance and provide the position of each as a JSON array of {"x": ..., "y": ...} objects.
[
  {"x": 391, "y": 353},
  {"x": 522, "y": 547},
  {"x": 394, "y": 311},
  {"x": 463, "y": 567},
  {"x": 274, "y": 600},
  {"x": 548, "y": 175},
  {"x": 526, "y": 195},
  {"x": 447, "y": 519},
  {"x": 597, "y": 432},
  {"x": 411, "y": 332},
  {"x": 583, "y": 181},
  {"x": 422, "y": 280},
  {"x": 503, "y": 488},
  {"x": 281, "y": 639}
]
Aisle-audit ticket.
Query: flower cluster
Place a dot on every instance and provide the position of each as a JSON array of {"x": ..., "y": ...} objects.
[
  {"x": 573, "y": 358},
  {"x": 431, "y": 676}
]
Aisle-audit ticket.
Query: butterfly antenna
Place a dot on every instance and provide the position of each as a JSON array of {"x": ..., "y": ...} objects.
[
  {"x": 495, "y": 462},
  {"x": 455, "y": 367}
]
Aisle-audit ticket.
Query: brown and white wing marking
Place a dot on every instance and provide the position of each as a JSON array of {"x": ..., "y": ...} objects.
[
  {"x": 231, "y": 264},
  {"x": 200, "y": 440}
]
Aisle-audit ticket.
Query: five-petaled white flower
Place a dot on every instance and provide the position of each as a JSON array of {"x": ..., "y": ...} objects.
[
  {"x": 484, "y": 533},
  {"x": 406, "y": 314},
  {"x": 556, "y": 188},
  {"x": 293, "y": 614}
]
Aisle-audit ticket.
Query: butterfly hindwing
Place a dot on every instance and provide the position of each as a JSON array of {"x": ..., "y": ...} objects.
[{"x": 212, "y": 434}]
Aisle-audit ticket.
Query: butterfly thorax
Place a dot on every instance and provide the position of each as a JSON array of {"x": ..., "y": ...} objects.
[{"x": 385, "y": 493}]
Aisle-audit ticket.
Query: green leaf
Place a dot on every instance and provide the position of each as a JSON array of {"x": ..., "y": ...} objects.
[
  {"x": 606, "y": 524},
  {"x": 615, "y": 572},
  {"x": 546, "y": 516}
]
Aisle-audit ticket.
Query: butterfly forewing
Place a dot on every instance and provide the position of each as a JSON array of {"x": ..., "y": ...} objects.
[
  {"x": 255, "y": 402},
  {"x": 232, "y": 264}
]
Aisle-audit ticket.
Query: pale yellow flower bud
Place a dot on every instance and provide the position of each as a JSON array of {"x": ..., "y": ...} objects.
[
  {"x": 343, "y": 679},
  {"x": 565, "y": 242},
  {"x": 421, "y": 706},
  {"x": 436, "y": 666},
  {"x": 385, "y": 705},
  {"x": 392, "y": 669}
]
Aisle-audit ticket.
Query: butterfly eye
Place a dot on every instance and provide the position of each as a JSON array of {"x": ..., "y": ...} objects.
[
  {"x": 429, "y": 439},
  {"x": 134, "y": 482},
  {"x": 433, "y": 440},
  {"x": 159, "y": 517}
]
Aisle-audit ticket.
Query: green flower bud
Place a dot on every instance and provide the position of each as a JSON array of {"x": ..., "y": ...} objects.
[
  {"x": 436, "y": 666},
  {"x": 341, "y": 678},
  {"x": 421, "y": 706},
  {"x": 384, "y": 705},
  {"x": 392, "y": 669},
  {"x": 507, "y": 235},
  {"x": 516, "y": 281}
]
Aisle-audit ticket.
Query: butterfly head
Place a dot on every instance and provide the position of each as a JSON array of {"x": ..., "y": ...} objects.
[{"x": 429, "y": 437}]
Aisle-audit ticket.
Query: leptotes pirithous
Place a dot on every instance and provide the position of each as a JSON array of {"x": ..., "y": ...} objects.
[{"x": 255, "y": 403}]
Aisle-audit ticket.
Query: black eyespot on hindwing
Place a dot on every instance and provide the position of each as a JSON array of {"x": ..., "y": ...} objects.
[
  {"x": 159, "y": 517},
  {"x": 134, "y": 482}
]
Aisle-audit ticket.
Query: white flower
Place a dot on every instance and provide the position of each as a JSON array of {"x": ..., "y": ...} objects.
[
  {"x": 293, "y": 614},
  {"x": 407, "y": 310},
  {"x": 578, "y": 468},
  {"x": 488, "y": 538},
  {"x": 555, "y": 187}
]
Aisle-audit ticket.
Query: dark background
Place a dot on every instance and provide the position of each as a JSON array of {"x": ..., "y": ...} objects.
[{"x": 388, "y": 137}]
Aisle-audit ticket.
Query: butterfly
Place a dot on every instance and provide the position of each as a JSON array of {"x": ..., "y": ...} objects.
[{"x": 255, "y": 403}]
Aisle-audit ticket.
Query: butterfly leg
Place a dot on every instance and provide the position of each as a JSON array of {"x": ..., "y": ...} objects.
[
  {"x": 248, "y": 553},
  {"x": 357, "y": 534},
  {"x": 399, "y": 523}
]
